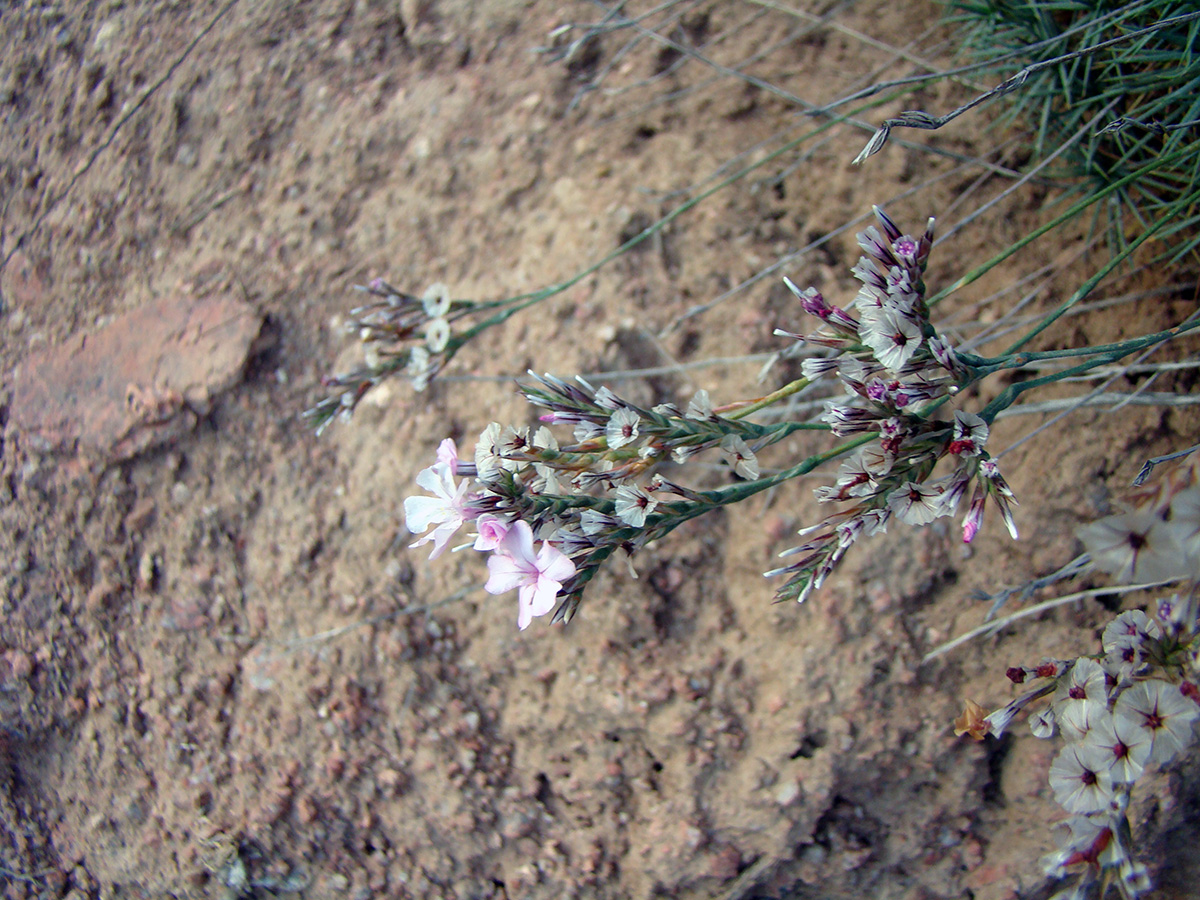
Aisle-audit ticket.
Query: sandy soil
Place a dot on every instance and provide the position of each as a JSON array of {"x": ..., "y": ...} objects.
[{"x": 211, "y": 680}]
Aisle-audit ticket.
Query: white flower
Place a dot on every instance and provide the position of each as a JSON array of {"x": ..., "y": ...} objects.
[
  {"x": 1125, "y": 641},
  {"x": 1135, "y": 878},
  {"x": 632, "y": 505},
  {"x": 622, "y": 428},
  {"x": 970, "y": 434},
  {"x": 1135, "y": 548},
  {"x": 1077, "y": 718},
  {"x": 915, "y": 504},
  {"x": 892, "y": 337},
  {"x": 495, "y": 443},
  {"x": 700, "y": 407},
  {"x": 446, "y": 509},
  {"x": 1080, "y": 779},
  {"x": 1042, "y": 723},
  {"x": 1161, "y": 710},
  {"x": 1085, "y": 681},
  {"x": 1126, "y": 746},
  {"x": 488, "y": 462},
  {"x": 420, "y": 367},
  {"x": 436, "y": 300},
  {"x": 745, "y": 463},
  {"x": 544, "y": 439},
  {"x": 1184, "y": 524},
  {"x": 437, "y": 335},
  {"x": 1089, "y": 839},
  {"x": 586, "y": 431}
]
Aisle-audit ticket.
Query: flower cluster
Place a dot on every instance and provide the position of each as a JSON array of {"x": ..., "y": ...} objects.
[
  {"x": 583, "y": 501},
  {"x": 1134, "y": 705},
  {"x": 897, "y": 371},
  {"x": 400, "y": 333},
  {"x": 605, "y": 490}
]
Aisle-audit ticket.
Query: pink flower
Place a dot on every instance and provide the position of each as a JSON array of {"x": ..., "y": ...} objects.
[
  {"x": 447, "y": 452},
  {"x": 491, "y": 531},
  {"x": 446, "y": 509},
  {"x": 538, "y": 576}
]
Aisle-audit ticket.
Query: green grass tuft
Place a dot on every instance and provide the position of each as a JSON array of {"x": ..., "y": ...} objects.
[{"x": 1141, "y": 96}]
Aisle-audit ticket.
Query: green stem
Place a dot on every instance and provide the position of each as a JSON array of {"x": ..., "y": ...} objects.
[
  {"x": 774, "y": 397},
  {"x": 1115, "y": 353},
  {"x": 1121, "y": 348}
]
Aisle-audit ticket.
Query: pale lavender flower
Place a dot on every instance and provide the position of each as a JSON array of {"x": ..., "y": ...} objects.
[
  {"x": 1131, "y": 628},
  {"x": 1085, "y": 681},
  {"x": 1183, "y": 518},
  {"x": 1080, "y": 779},
  {"x": 592, "y": 522},
  {"x": 815, "y": 367},
  {"x": 868, "y": 273},
  {"x": 1135, "y": 548},
  {"x": 953, "y": 490},
  {"x": 1126, "y": 642},
  {"x": 537, "y": 576},
  {"x": 998, "y": 720},
  {"x": 1126, "y": 746},
  {"x": 1161, "y": 710},
  {"x": 945, "y": 355},
  {"x": 847, "y": 420},
  {"x": 874, "y": 244}
]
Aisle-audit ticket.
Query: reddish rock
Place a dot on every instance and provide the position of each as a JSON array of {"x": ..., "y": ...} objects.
[{"x": 139, "y": 381}]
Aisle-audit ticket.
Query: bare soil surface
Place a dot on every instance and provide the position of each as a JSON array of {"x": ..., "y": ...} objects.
[{"x": 213, "y": 682}]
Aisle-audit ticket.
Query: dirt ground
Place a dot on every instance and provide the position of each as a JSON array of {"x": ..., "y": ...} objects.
[{"x": 212, "y": 679}]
